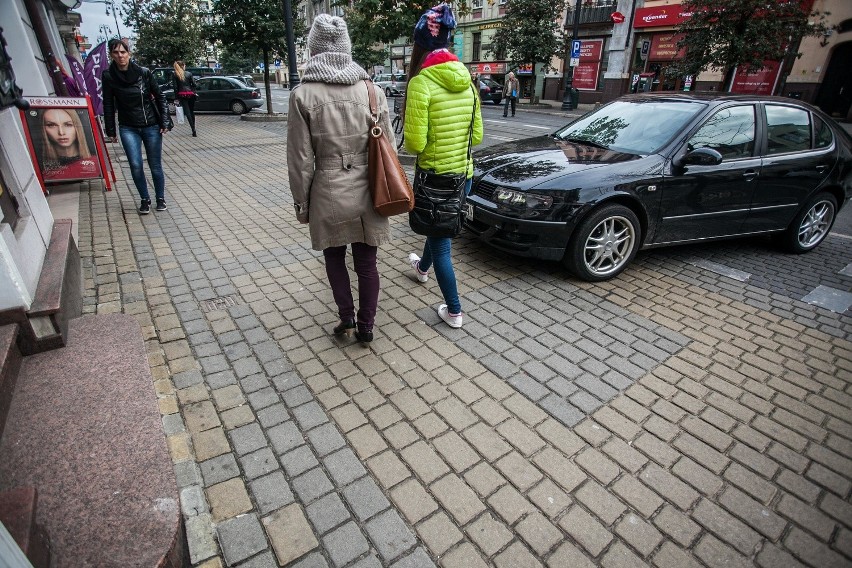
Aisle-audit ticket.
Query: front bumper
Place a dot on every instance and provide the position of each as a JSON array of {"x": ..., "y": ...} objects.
[{"x": 546, "y": 240}]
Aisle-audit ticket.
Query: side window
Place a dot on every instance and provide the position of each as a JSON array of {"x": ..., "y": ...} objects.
[
  {"x": 202, "y": 85},
  {"x": 823, "y": 136},
  {"x": 788, "y": 129},
  {"x": 730, "y": 132}
]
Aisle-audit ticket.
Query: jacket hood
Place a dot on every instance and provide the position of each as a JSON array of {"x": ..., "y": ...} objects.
[{"x": 452, "y": 75}]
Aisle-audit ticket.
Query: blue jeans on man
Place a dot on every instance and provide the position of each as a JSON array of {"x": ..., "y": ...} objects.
[{"x": 133, "y": 138}]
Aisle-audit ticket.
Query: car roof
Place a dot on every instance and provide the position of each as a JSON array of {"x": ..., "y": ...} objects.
[{"x": 708, "y": 96}]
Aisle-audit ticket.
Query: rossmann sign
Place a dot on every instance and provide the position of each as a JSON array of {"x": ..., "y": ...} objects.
[{"x": 660, "y": 16}]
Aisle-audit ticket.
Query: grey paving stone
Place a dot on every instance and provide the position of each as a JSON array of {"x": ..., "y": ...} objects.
[
  {"x": 326, "y": 439},
  {"x": 259, "y": 463},
  {"x": 241, "y": 537},
  {"x": 312, "y": 485},
  {"x": 173, "y": 423},
  {"x": 263, "y": 398},
  {"x": 528, "y": 386},
  {"x": 221, "y": 379},
  {"x": 186, "y": 379},
  {"x": 312, "y": 560},
  {"x": 237, "y": 351},
  {"x": 254, "y": 383},
  {"x": 219, "y": 469},
  {"x": 268, "y": 351},
  {"x": 390, "y": 535},
  {"x": 247, "y": 438},
  {"x": 297, "y": 396},
  {"x": 417, "y": 559},
  {"x": 272, "y": 415},
  {"x": 345, "y": 544},
  {"x": 271, "y": 492},
  {"x": 499, "y": 365},
  {"x": 298, "y": 461},
  {"x": 365, "y": 498},
  {"x": 561, "y": 410},
  {"x": 247, "y": 367},
  {"x": 309, "y": 415},
  {"x": 368, "y": 562},
  {"x": 344, "y": 467},
  {"x": 327, "y": 513},
  {"x": 187, "y": 473},
  {"x": 213, "y": 364},
  {"x": 192, "y": 501},
  {"x": 286, "y": 380}
]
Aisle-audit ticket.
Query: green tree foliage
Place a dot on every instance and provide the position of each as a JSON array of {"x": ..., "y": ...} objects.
[
  {"x": 238, "y": 60},
  {"x": 254, "y": 25},
  {"x": 166, "y": 31},
  {"x": 724, "y": 34},
  {"x": 531, "y": 33}
]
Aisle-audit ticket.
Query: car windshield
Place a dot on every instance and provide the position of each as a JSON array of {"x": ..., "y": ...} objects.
[{"x": 635, "y": 127}]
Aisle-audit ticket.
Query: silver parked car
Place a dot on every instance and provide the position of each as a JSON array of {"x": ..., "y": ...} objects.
[{"x": 392, "y": 85}]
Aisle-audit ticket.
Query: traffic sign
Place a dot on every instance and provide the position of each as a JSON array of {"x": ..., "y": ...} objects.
[
  {"x": 575, "y": 48},
  {"x": 575, "y": 61}
]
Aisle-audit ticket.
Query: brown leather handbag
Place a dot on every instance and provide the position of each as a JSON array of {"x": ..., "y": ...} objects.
[{"x": 389, "y": 186}]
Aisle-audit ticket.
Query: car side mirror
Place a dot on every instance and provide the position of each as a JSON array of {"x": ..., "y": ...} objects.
[{"x": 699, "y": 157}]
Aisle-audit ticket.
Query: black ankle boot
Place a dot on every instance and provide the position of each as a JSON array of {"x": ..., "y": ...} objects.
[
  {"x": 364, "y": 336},
  {"x": 344, "y": 326}
]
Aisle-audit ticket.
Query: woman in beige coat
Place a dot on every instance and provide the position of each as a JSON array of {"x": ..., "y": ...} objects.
[{"x": 327, "y": 134}]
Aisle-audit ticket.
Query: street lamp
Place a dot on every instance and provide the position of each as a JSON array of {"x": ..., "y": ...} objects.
[
  {"x": 291, "y": 45},
  {"x": 109, "y": 10},
  {"x": 567, "y": 98}
]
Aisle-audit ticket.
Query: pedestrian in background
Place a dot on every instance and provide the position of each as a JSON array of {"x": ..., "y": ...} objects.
[
  {"x": 328, "y": 128},
  {"x": 441, "y": 102},
  {"x": 183, "y": 85},
  {"x": 511, "y": 89},
  {"x": 143, "y": 118}
]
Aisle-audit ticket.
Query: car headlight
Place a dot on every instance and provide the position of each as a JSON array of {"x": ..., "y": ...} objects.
[{"x": 529, "y": 201}]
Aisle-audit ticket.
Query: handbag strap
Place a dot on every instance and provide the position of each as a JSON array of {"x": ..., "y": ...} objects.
[{"x": 374, "y": 114}]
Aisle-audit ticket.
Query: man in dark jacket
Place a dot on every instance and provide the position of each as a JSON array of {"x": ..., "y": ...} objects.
[{"x": 143, "y": 118}]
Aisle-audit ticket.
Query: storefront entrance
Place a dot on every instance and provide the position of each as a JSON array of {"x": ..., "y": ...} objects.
[{"x": 835, "y": 95}]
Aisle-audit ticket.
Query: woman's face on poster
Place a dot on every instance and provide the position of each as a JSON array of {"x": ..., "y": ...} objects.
[{"x": 60, "y": 128}]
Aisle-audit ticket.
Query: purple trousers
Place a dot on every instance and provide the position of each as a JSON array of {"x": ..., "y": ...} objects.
[{"x": 364, "y": 256}]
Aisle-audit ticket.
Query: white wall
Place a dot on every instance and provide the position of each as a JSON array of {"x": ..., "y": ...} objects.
[{"x": 27, "y": 61}]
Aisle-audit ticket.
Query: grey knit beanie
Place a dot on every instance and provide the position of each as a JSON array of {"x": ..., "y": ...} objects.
[{"x": 329, "y": 33}]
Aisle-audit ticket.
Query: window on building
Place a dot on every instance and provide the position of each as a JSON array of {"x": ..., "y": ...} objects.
[
  {"x": 477, "y": 46},
  {"x": 476, "y": 4}
]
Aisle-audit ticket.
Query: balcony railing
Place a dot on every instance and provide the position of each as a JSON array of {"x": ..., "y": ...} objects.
[{"x": 596, "y": 13}]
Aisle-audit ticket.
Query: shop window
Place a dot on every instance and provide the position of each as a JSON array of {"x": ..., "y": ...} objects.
[
  {"x": 788, "y": 129},
  {"x": 730, "y": 132},
  {"x": 477, "y": 46}
]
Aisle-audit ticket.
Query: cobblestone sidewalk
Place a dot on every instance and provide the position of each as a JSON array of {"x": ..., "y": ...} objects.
[{"x": 672, "y": 417}]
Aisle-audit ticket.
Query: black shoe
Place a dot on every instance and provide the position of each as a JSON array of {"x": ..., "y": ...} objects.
[
  {"x": 194, "y": 134},
  {"x": 161, "y": 205},
  {"x": 364, "y": 336},
  {"x": 344, "y": 327},
  {"x": 145, "y": 207},
  {"x": 504, "y": 116}
]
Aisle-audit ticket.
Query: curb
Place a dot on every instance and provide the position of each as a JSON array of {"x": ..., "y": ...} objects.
[{"x": 264, "y": 117}]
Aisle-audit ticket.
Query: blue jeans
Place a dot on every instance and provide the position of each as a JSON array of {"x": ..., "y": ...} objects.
[
  {"x": 437, "y": 251},
  {"x": 132, "y": 138}
]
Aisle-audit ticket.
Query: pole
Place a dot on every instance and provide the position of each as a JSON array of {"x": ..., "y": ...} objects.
[
  {"x": 291, "y": 45},
  {"x": 567, "y": 99}
]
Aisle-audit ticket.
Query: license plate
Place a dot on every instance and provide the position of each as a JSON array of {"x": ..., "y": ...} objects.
[{"x": 468, "y": 211}]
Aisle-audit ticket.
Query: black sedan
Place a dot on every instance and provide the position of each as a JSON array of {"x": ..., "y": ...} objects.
[
  {"x": 490, "y": 91},
  {"x": 652, "y": 170},
  {"x": 222, "y": 94}
]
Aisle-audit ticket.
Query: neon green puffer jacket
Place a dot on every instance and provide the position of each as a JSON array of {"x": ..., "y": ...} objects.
[{"x": 438, "y": 111}]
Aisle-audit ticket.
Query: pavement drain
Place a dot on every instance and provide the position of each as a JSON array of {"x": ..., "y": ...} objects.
[
  {"x": 221, "y": 303},
  {"x": 837, "y": 301},
  {"x": 721, "y": 269},
  {"x": 565, "y": 349}
]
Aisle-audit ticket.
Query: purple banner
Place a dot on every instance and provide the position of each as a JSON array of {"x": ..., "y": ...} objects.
[
  {"x": 77, "y": 73},
  {"x": 96, "y": 63}
]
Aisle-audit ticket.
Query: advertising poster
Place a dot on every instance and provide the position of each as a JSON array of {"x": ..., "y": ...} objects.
[
  {"x": 61, "y": 138},
  {"x": 587, "y": 72},
  {"x": 761, "y": 82}
]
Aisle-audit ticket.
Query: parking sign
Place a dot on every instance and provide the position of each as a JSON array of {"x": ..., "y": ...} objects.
[{"x": 575, "y": 48}]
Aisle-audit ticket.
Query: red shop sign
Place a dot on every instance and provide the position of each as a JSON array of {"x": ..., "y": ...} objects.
[
  {"x": 657, "y": 16},
  {"x": 486, "y": 68},
  {"x": 586, "y": 73},
  {"x": 761, "y": 82},
  {"x": 664, "y": 47},
  {"x": 617, "y": 17}
]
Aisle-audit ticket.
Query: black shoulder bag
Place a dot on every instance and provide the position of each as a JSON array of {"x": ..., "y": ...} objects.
[{"x": 438, "y": 198}]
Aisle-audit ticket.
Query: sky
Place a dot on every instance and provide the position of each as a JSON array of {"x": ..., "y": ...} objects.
[{"x": 93, "y": 14}]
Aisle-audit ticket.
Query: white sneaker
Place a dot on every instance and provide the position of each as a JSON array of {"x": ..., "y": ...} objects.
[
  {"x": 452, "y": 321},
  {"x": 413, "y": 260}
]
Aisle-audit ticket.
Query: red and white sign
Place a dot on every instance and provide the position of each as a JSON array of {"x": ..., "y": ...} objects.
[
  {"x": 487, "y": 68},
  {"x": 617, "y": 17},
  {"x": 761, "y": 82},
  {"x": 664, "y": 47},
  {"x": 659, "y": 16},
  {"x": 586, "y": 73}
]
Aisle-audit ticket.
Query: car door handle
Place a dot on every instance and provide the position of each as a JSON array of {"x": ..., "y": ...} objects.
[
  {"x": 821, "y": 168},
  {"x": 749, "y": 175}
]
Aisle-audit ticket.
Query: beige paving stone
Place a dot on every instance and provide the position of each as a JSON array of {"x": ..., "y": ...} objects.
[
  {"x": 424, "y": 461},
  {"x": 179, "y": 447},
  {"x": 484, "y": 479},
  {"x": 289, "y": 533},
  {"x": 348, "y": 417},
  {"x": 560, "y": 469},
  {"x": 366, "y": 441},
  {"x": 516, "y": 556},
  {"x": 167, "y": 404},
  {"x": 210, "y": 443},
  {"x": 519, "y": 471},
  {"x": 489, "y": 534},
  {"x": 236, "y": 417},
  {"x": 228, "y": 499},
  {"x": 456, "y": 451},
  {"x": 459, "y": 500},
  {"x": 562, "y": 438},
  {"x": 585, "y": 530},
  {"x": 463, "y": 556},
  {"x": 539, "y": 533},
  {"x": 430, "y": 425},
  {"x": 228, "y": 397},
  {"x": 510, "y": 504},
  {"x": 200, "y": 416},
  {"x": 486, "y": 441},
  {"x": 439, "y": 533},
  {"x": 601, "y": 502},
  {"x": 411, "y": 498},
  {"x": 568, "y": 555}
]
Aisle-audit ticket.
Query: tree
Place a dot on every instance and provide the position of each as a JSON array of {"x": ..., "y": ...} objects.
[
  {"x": 531, "y": 33},
  {"x": 723, "y": 35},
  {"x": 254, "y": 25},
  {"x": 166, "y": 30},
  {"x": 238, "y": 60}
]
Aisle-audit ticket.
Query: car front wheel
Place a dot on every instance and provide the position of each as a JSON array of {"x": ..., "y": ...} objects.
[
  {"x": 387, "y": 92},
  {"x": 811, "y": 225},
  {"x": 238, "y": 107},
  {"x": 603, "y": 244}
]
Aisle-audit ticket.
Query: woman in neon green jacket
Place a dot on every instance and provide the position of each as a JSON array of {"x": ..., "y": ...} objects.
[{"x": 442, "y": 118}]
